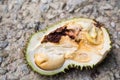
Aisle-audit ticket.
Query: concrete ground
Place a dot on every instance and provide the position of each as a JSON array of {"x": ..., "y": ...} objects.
[{"x": 21, "y": 18}]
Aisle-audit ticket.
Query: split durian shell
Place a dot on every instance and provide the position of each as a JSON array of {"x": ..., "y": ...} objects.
[{"x": 50, "y": 58}]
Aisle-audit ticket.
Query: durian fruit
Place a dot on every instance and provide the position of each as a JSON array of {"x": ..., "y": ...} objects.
[{"x": 80, "y": 42}]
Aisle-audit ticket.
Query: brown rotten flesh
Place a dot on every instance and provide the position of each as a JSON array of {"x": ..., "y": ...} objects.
[{"x": 82, "y": 42}]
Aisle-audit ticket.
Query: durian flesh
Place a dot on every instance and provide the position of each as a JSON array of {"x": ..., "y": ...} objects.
[{"x": 80, "y": 42}]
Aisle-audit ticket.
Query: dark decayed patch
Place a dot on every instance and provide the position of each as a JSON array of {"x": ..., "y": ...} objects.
[
  {"x": 57, "y": 34},
  {"x": 98, "y": 24}
]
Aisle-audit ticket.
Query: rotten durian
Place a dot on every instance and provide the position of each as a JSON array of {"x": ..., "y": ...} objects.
[{"x": 80, "y": 42}]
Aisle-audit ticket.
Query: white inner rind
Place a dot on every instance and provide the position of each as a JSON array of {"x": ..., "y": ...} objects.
[{"x": 36, "y": 39}]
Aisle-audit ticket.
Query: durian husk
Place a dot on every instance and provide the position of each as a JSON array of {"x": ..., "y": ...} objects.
[{"x": 69, "y": 63}]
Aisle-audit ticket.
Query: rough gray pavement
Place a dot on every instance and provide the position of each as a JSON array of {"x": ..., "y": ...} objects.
[{"x": 21, "y": 18}]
